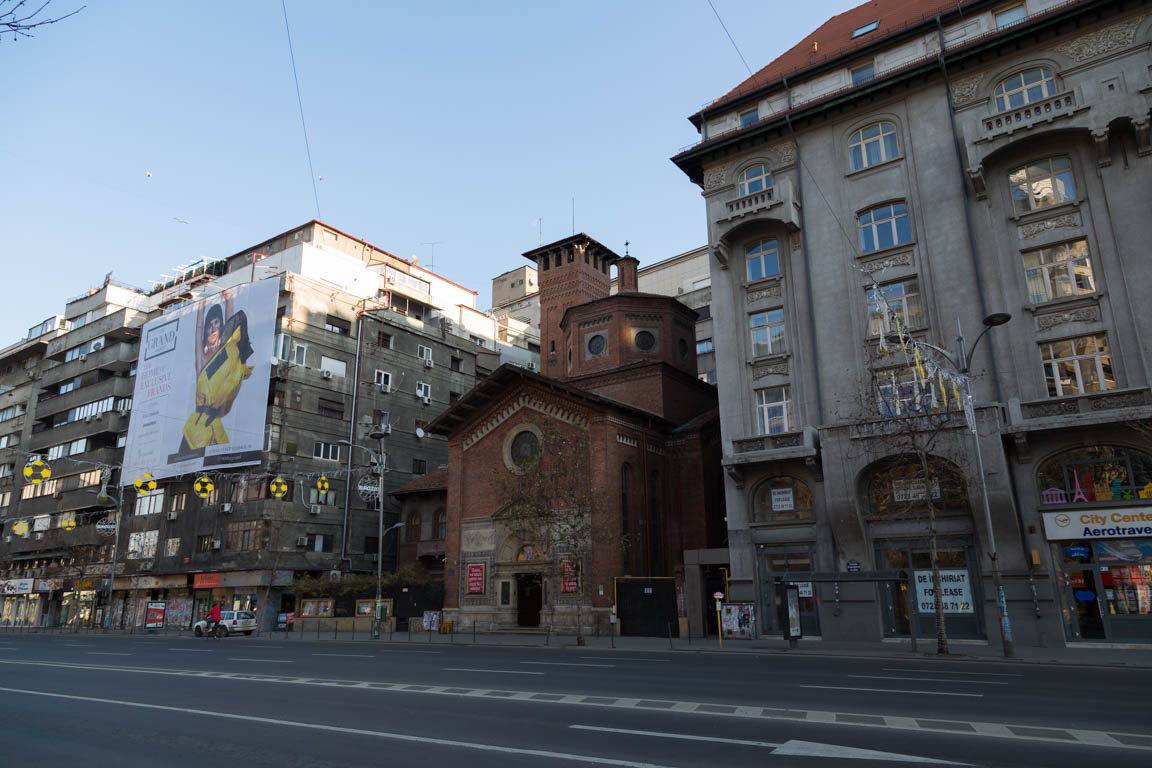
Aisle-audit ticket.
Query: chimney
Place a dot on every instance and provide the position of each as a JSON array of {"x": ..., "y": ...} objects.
[{"x": 626, "y": 274}]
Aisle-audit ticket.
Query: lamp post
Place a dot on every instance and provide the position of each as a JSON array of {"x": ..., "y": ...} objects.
[
  {"x": 104, "y": 495},
  {"x": 962, "y": 362}
]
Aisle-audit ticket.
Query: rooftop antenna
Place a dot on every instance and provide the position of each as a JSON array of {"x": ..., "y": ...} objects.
[
  {"x": 540, "y": 231},
  {"x": 573, "y": 215},
  {"x": 432, "y": 256}
]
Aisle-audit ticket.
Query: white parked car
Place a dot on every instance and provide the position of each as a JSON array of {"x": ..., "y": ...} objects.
[{"x": 231, "y": 622}]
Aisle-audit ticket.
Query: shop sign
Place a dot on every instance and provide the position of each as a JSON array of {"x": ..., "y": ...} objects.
[
  {"x": 476, "y": 578},
  {"x": 1120, "y": 523},
  {"x": 206, "y": 581},
  {"x": 955, "y": 591},
  {"x": 782, "y": 500},
  {"x": 48, "y": 585},
  {"x": 915, "y": 489},
  {"x": 154, "y": 614},
  {"x": 567, "y": 576},
  {"x": 16, "y": 586}
]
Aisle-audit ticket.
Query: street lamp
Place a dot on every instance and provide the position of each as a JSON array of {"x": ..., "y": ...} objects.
[
  {"x": 962, "y": 362},
  {"x": 104, "y": 496}
]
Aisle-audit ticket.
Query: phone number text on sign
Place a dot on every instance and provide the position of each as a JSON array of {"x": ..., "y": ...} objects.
[{"x": 955, "y": 591}]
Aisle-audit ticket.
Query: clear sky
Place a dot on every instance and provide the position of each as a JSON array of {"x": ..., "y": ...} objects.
[{"x": 458, "y": 122}]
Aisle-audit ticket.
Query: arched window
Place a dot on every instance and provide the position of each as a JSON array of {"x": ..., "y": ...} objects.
[
  {"x": 1024, "y": 88},
  {"x": 901, "y": 489},
  {"x": 412, "y": 527},
  {"x": 755, "y": 179},
  {"x": 762, "y": 259},
  {"x": 441, "y": 525},
  {"x": 1096, "y": 473},
  {"x": 884, "y": 226},
  {"x": 780, "y": 500},
  {"x": 872, "y": 144}
]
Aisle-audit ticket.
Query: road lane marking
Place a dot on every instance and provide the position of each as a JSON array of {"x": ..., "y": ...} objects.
[
  {"x": 106, "y": 653},
  {"x": 264, "y": 661},
  {"x": 684, "y": 736},
  {"x": 565, "y": 664},
  {"x": 624, "y": 658},
  {"x": 494, "y": 671},
  {"x": 1052, "y": 735},
  {"x": 347, "y": 655},
  {"x": 543, "y": 753},
  {"x": 894, "y": 690},
  {"x": 933, "y": 679},
  {"x": 950, "y": 672},
  {"x": 192, "y": 650}
]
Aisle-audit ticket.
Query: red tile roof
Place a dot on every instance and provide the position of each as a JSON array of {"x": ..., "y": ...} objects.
[
  {"x": 833, "y": 38},
  {"x": 436, "y": 480}
]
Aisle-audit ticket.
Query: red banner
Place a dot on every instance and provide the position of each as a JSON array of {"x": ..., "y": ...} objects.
[
  {"x": 206, "y": 581},
  {"x": 154, "y": 614},
  {"x": 476, "y": 579},
  {"x": 567, "y": 576}
]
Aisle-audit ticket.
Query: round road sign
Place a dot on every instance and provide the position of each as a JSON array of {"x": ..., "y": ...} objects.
[{"x": 718, "y": 595}]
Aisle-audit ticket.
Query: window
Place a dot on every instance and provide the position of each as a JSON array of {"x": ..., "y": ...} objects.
[
  {"x": 750, "y": 117},
  {"x": 1024, "y": 88},
  {"x": 412, "y": 527},
  {"x": 477, "y": 340},
  {"x": 1094, "y": 473},
  {"x": 423, "y": 389},
  {"x": 333, "y": 366},
  {"x": 150, "y": 504},
  {"x": 1058, "y": 271},
  {"x": 773, "y": 411},
  {"x": 241, "y": 536},
  {"x": 172, "y": 547},
  {"x": 384, "y": 340},
  {"x": 272, "y": 437},
  {"x": 383, "y": 379},
  {"x": 204, "y": 543},
  {"x": 863, "y": 74},
  {"x": 767, "y": 332},
  {"x": 869, "y": 27},
  {"x": 453, "y": 397},
  {"x": 179, "y": 500},
  {"x": 327, "y": 499},
  {"x": 326, "y": 451},
  {"x": 299, "y": 354},
  {"x": 455, "y": 363},
  {"x": 872, "y": 144},
  {"x": 283, "y": 348},
  {"x": 898, "y": 393},
  {"x": 331, "y": 409},
  {"x": 7, "y": 441},
  {"x": 337, "y": 325},
  {"x": 5, "y": 499},
  {"x": 142, "y": 545},
  {"x": 291, "y": 442},
  {"x": 11, "y": 411},
  {"x": 1076, "y": 366},
  {"x": 708, "y": 377},
  {"x": 92, "y": 477},
  {"x": 441, "y": 525},
  {"x": 781, "y": 499},
  {"x": 83, "y": 349},
  {"x": 883, "y": 227},
  {"x": 423, "y": 352},
  {"x": 6, "y": 470},
  {"x": 316, "y": 608},
  {"x": 1010, "y": 16},
  {"x": 900, "y": 488},
  {"x": 403, "y": 278},
  {"x": 419, "y": 466},
  {"x": 46, "y": 488},
  {"x": 755, "y": 179},
  {"x": 321, "y": 542},
  {"x": 903, "y": 300},
  {"x": 1042, "y": 183},
  {"x": 704, "y": 346},
  {"x": 762, "y": 259},
  {"x": 68, "y": 386},
  {"x": 371, "y": 545}
]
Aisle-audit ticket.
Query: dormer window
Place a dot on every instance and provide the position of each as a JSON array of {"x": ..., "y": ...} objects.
[
  {"x": 749, "y": 117},
  {"x": 863, "y": 73},
  {"x": 755, "y": 179},
  {"x": 869, "y": 27}
]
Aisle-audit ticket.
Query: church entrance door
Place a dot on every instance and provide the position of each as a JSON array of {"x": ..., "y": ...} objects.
[{"x": 529, "y": 599}]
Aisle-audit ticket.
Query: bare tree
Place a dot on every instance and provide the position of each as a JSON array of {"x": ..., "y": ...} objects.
[
  {"x": 18, "y": 18},
  {"x": 550, "y": 504}
]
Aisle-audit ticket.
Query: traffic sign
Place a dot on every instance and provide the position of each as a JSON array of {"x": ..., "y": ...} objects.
[
  {"x": 718, "y": 595},
  {"x": 106, "y": 526}
]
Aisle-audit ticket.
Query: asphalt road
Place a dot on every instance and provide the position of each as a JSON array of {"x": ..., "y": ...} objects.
[{"x": 130, "y": 701}]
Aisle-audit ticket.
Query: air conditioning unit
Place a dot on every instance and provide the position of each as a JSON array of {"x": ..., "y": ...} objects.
[
  {"x": 173, "y": 515},
  {"x": 391, "y": 280},
  {"x": 226, "y": 508},
  {"x": 385, "y": 388},
  {"x": 301, "y": 541},
  {"x": 97, "y": 346},
  {"x": 315, "y": 509},
  {"x": 428, "y": 363},
  {"x": 334, "y": 575},
  {"x": 326, "y": 374},
  {"x": 216, "y": 543},
  {"x": 82, "y": 358},
  {"x": 31, "y": 374},
  {"x": 90, "y": 418},
  {"x": 531, "y": 366},
  {"x": 39, "y": 536},
  {"x": 427, "y": 400}
]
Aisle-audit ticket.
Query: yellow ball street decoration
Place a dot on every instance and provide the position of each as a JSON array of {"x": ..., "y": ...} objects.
[
  {"x": 68, "y": 523},
  {"x": 203, "y": 486},
  {"x": 278, "y": 487},
  {"x": 20, "y": 527},
  {"x": 322, "y": 484},
  {"x": 145, "y": 484},
  {"x": 37, "y": 471}
]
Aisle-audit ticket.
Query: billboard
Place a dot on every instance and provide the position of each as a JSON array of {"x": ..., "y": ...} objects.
[{"x": 202, "y": 385}]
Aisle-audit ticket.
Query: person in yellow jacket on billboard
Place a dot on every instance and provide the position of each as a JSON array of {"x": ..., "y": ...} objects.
[{"x": 219, "y": 380}]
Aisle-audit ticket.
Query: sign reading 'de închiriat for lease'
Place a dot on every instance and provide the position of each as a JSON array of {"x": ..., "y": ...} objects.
[
  {"x": 202, "y": 384},
  {"x": 955, "y": 591}
]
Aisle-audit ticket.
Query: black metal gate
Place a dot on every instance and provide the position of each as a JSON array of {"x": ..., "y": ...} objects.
[{"x": 647, "y": 607}]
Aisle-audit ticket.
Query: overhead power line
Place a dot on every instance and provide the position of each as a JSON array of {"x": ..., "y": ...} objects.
[{"x": 300, "y": 103}]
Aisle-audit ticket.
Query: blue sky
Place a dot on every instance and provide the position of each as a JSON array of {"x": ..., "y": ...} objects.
[{"x": 457, "y": 122}]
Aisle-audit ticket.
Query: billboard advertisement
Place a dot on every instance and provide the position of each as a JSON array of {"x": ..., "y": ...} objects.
[{"x": 202, "y": 385}]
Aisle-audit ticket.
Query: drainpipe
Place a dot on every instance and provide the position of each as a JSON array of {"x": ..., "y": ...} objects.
[
  {"x": 807, "y": 261},
  {"x": 352, "y": 437}
]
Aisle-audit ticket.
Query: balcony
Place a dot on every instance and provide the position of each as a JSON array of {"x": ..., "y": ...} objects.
[
  {"x": 802, "y": 444},
  {"x": 118, "y": 326},
  {"x": 430, "y": 548},
  {"x": 1053, "y": 108},
  {"x": 777, "y": 203},
  {"x": 113, "y": 386},
  {"x": 1080, "y": 410},
  {"x": 109, "y": 422},
  {"x": 113, "y": 357}
]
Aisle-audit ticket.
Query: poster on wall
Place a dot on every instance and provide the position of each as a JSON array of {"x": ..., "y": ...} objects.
[
  {"x": 476, "y": 579},
  {"x": 955, "y": 591},
  {"x": 567, "y": 576},
  {"x": 201, "y": 390},
  {"x": 782, "y": 500},
  {"x": 154, "y": 614},
  {"x": 738, "y": 620}
]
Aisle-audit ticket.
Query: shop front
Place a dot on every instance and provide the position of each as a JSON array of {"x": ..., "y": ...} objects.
[
  {"x": 20, "y": 605},
  {"x": 782, "y": 564},
  {"x": 960, "y": 595}
]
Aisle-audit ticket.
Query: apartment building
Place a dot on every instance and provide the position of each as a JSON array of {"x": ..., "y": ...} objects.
[{"x": 907, "y": 174}]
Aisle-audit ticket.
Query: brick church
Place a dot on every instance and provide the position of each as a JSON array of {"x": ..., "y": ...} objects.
[{"x": 619, "y": 382}]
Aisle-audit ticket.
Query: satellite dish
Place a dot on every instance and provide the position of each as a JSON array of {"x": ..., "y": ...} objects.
[{"x": 419, "y": 432}]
